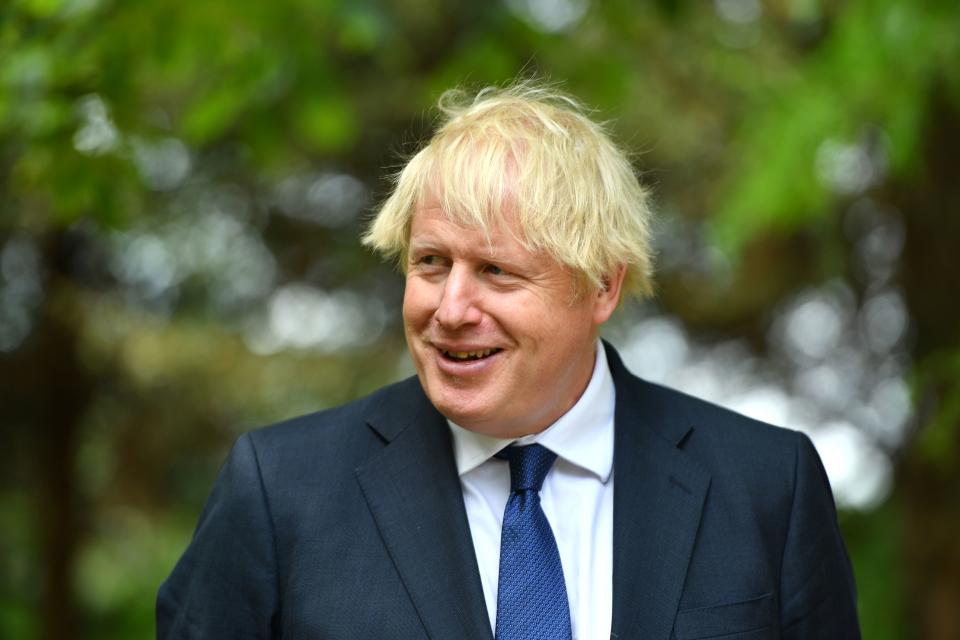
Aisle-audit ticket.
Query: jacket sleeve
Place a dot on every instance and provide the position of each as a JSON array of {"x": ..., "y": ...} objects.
[
  {"x": 817, "y": 590},
  {"x": 225, "y": 584}
]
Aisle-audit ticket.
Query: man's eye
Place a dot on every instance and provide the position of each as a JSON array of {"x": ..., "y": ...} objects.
[
  {"x": 494, "y": 270},
  {"x": 430, "y": 261}
]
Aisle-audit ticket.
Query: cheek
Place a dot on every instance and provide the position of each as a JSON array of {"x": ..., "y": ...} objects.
[
  {"x": 415, "y": 302},
  {"x": 567, "y": 328},
  {"x": 419, "y": 305}
]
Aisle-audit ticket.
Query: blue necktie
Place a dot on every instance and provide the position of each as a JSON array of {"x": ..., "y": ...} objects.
[{"x": 531, "y": 597}]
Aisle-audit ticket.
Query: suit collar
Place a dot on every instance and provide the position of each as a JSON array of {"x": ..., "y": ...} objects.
[
  {"x": 658, "y": 496},
  {"x": 414, "y": 495},
  {"x": 660, "y": 415},
  {"x": 397, "y": 407}
]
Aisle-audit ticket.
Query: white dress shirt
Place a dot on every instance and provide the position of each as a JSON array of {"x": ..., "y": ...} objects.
[{"x": 577, "y": 498}]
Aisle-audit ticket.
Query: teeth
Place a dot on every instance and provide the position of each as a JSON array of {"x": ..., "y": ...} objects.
[{"x": 465, "y": 355}]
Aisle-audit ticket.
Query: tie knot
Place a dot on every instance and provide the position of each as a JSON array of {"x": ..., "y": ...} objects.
[{"x": 528, "y": 465}]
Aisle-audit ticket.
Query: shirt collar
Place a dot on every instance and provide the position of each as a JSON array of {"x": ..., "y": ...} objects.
[{"x": 582, "y": 436}]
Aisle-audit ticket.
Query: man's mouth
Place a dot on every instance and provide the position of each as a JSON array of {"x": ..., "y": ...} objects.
[{"x": 464, "y": 356}]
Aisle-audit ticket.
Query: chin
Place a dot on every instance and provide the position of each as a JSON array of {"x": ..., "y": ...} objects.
[
  {"x": 456, "y": 410},
  {"x": 464, "y": 414}
]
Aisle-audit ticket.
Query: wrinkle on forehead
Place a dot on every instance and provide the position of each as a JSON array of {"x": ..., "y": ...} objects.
[{"x": 502, "y": 241}]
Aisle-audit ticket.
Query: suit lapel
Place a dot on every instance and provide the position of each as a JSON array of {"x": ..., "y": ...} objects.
[
  {"x": 658, "y": 497},
  {"x": 413, "y": 491}
]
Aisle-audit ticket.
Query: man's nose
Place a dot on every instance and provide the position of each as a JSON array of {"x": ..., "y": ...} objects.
[{"x": 459, "y": 299}]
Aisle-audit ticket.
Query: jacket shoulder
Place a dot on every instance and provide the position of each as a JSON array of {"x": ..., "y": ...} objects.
[
  {"x": 714, "y": 421},
  {"x": 723, "y": 441}
]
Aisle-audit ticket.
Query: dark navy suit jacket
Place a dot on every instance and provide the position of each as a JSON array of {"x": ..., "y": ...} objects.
[{"x": 350, "y": 523}]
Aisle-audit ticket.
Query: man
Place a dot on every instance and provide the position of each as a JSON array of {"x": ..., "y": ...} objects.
[{"x": 524, "y": 484}]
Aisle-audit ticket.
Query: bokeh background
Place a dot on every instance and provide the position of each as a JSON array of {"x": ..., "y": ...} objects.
[{"x": 182, "y": 185}]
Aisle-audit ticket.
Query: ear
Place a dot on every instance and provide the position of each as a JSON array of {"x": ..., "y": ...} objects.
[{"x": 608, "y": 296}]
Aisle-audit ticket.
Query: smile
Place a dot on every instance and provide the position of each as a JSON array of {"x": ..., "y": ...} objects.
[{"x": 462, "y": 356}]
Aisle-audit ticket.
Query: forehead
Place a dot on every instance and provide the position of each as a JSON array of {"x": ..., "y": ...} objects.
[{"x": 432, "y": 230}]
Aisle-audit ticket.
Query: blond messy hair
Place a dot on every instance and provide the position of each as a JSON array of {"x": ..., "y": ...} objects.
[{"x": 530, "y": 150}]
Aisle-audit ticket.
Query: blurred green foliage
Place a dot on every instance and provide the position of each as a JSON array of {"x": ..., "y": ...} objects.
[
  {"x": 839, "y": 89},
  {"x": 169, "y": 169}
]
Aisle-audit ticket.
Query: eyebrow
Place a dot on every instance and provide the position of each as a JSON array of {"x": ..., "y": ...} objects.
[
  {"x": 414, "y": 247},
  {"x": 422, "y": 246}
]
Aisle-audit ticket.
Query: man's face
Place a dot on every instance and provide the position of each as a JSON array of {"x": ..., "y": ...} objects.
[{"x": 499, "y": 343}]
